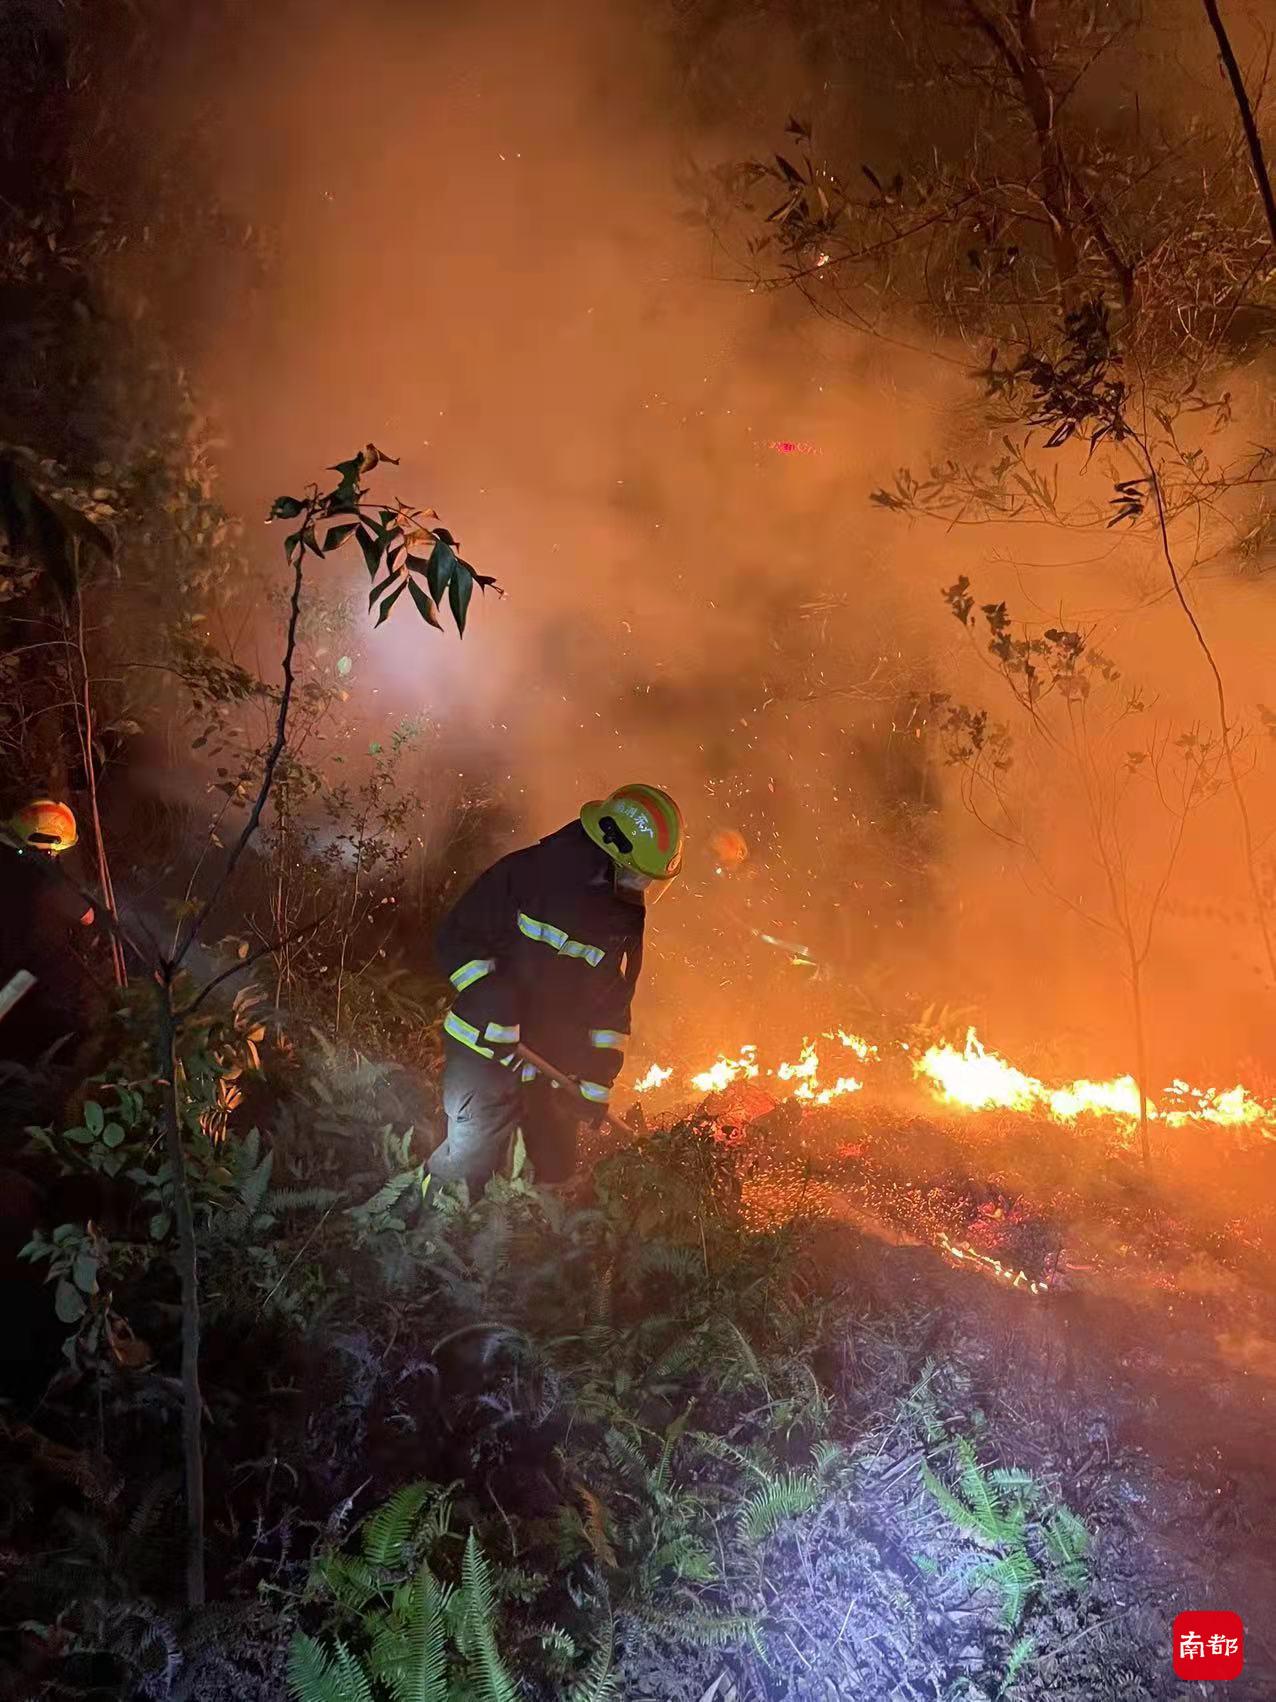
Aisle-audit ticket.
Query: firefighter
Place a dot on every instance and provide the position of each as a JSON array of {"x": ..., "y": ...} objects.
[
  {"x": 545, "y": 950},
  {"x": 38, "y": 913}
]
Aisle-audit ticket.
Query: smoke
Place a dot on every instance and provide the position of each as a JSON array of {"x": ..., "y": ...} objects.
[{"x": 480, "y": 263}]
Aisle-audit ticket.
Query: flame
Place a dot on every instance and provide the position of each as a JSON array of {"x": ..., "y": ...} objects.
[
  {"x": 720, "y": 1075},
  {"x": 973, "y": 1078}
]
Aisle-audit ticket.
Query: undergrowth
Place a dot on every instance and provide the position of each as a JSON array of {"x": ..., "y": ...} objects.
[{"x": 456, "y": 1449}]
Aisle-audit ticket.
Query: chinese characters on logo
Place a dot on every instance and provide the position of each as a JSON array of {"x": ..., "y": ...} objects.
[{"x": 1208, "y": 1645}]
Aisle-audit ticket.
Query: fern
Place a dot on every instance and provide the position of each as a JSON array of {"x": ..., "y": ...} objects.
[
  {"x": 721, "y": 1449},
  {"x": 779, "y": 1498},
  {"x": 596, "y": 1527},
  {"x": 386, "y": 1532},
  {"x": 302, "y": 1199},
  {"x": 495, "y": 1682},
  {"x": 1015, "y": 1578},
  {"x": 598, "y": 1683},
  {"x": 829, "y": 1459},
  {"x": 351, "y": 1581},
  {"x": 687, "y": 1558},
  {"x": 355, "y": 1684},
  {"x": 415, "y": 1662},
  {"x": 987, "y": 1517},
  {"x": 1068, "y": 1542},
  {"x": 627, "y": 1457},
  {"x": 313, "y": 1675},
  {"x": 982, "y": 1520},
  {"x": 1020, "y": 1655},
  {"x": 713, "y": 1630}
]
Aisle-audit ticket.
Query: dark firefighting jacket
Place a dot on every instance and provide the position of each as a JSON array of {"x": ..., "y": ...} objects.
[{"x": 543, "y": 950}]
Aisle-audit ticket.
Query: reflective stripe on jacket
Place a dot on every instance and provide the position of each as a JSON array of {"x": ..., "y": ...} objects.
[{"x": 542, "y": 949}]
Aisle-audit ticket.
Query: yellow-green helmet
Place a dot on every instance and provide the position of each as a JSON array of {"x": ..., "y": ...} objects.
[{"x": 640, "y": 828}]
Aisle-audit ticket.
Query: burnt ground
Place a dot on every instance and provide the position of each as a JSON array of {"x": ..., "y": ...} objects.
[{"x": 1139, "y": 1378}]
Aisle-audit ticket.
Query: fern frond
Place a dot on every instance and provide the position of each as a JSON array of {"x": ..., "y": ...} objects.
[
  {"x": 555, "y": 1641},
  {"x": 1015, "y": 1577},
  {"x": 424, "y": 1678},
  {"x": 829, "y": 1458},
  {"x": 713, "y": 1630},
  {"x": 1068, "y": 1543},
  {"x": 349, "y": 1580},
  {"x": 1022, "y": 1652},
  {"x": 977, "y": 1492},
  {"x": 957, "y": 1511},
  {"x": 596, "y": 1526},
  {"x": 781, "y": 1498},
  {"x": 385, "y": 1533},
  {"x": 302, "y": 1199},
  {"x": 721, "y": 1449},
  {"x": 1014, "y": 1480},
  {"x": 312, "y": 1674},
  {"x": 495, "y": 1682},
  {"x": 627, "y": 1457},
  {"x": 678, "y": 1357},
  {"x": 666, "y": 1259},
  {"x": 687, "y": 1557},
  {"x": 354, "y": 1682},
  {"x": 252, "y": 1187},
  {"x": 598, "y": 1683}
]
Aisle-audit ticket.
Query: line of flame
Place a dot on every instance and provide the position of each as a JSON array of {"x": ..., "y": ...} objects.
[{"x": 975, "y": 1079}]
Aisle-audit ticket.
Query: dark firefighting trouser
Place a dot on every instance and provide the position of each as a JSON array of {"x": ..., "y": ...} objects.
[{"x": 486, "y": 1105}]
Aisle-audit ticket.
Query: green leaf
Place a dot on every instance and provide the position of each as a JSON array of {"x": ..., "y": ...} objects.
[
  {"x": 372, "y": 548},
  {"x": 93, "y": 1116},
  {"x": 338, "y": 535},
  {"x": 68, "y": 1303},
  {"x": 81, "y": 1137},
  {"x": 459, "y": 593},
  {"x": 348, "y": 487},
  {"x": 84, "y": 1272},
  {"x": 160, "y": 1224},
  {"x": 344, "y": 664},
  {"x": 424, "y": 607},
  {"x": 390, "y": 601},
  {"x": 442, "y": 566},
  {"x": 112, "y": 1135},
  {"x": 380, "y": 589},
  {"x": 286, "y": 508}
]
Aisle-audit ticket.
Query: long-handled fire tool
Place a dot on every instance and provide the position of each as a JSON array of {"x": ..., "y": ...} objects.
[
  {"x": 16, "y": 987},
  {"x": 560, "y": 1078}
]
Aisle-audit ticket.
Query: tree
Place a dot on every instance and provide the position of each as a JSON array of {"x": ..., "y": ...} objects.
[
  {"x": 1115, "y": 270},
  {"x": 1132, "y": 790},
  {"x": 403, "y": 550}
]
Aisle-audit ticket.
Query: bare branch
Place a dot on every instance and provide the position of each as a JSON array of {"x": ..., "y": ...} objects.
[
  {"x": 1258, "y": 164},
  {"x": 268, "y": 773}
]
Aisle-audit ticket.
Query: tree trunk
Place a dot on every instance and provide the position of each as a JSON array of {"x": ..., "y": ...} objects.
[{"x": 1141, "y": 1056}]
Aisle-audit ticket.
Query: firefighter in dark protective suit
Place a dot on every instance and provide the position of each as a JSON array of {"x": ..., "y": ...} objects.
[
  {"x": 38, "y": 915},
  {"x": 545, "y": 950}
]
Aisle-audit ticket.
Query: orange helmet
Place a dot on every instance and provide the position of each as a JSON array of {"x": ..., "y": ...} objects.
[{"x": 44, "y": 825}]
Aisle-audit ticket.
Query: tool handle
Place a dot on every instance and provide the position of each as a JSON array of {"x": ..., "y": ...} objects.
[
  {"x": 560, "y": 1078},
  {"x": 16, "y": 987}
]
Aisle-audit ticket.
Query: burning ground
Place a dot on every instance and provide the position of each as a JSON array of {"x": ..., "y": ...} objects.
[{"x": 1113, "y": 1326}]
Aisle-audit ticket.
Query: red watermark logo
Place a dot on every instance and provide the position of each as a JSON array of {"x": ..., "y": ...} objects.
[{"x": 1208, "y": 1645}]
